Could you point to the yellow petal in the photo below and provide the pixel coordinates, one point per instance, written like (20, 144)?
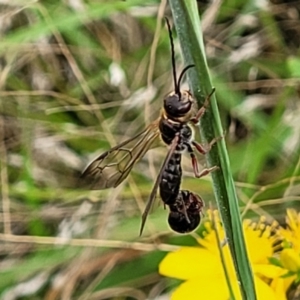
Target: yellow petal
(263, 290)
(215, 288)
(277, 285)
(267, 270)
(292, 233)
(211, 287)
(281, 285)
(257, 254)
(293, 219)
(190, 262)
(290, 259)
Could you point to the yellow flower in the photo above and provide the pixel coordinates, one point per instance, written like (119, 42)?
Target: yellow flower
(290, 254)
(290, 260)
(201, 267)
(291, 234)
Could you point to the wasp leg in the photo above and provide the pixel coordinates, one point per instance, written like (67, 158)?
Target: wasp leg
(195, 164)
(184, 209)
(206, 171)
(204, 149)
(202, 110)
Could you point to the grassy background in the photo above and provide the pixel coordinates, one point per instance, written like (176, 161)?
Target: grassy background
(78, 77)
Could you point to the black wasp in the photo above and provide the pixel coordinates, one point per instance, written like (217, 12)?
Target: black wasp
(172, 127)
(185, 207)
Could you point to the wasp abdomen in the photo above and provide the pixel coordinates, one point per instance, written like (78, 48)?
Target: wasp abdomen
(185, 212)
(171, 179)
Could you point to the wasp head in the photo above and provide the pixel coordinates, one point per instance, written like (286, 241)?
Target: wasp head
(178, 105)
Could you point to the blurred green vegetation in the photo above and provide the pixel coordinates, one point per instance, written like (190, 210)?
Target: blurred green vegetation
(78, 77)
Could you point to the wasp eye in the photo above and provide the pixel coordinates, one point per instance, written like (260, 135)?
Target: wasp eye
(176, 106)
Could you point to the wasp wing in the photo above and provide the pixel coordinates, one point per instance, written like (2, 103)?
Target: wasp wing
(113, 166)
(157, 182)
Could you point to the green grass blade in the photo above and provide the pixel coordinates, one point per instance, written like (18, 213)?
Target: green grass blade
(62, 20)
(187, 23)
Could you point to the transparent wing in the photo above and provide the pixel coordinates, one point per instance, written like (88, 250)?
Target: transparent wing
(157, 182)
(112, 167)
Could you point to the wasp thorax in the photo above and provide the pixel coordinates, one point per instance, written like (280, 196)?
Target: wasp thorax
(178, 105)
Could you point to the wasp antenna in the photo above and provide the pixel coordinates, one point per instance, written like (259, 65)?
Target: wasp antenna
(176, 86)
(182, 74)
